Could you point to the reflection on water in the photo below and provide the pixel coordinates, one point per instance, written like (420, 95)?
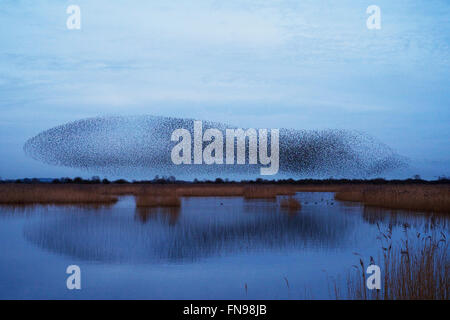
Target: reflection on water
(170, 214)
(200, 228)
(32, 208)
(254, 236)
(426, 222)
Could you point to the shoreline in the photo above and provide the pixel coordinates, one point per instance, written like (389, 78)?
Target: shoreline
(429, 197)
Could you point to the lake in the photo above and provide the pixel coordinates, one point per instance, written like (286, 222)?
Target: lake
(209, 248)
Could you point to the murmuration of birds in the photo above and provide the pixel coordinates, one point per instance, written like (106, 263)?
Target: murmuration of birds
(145, 146)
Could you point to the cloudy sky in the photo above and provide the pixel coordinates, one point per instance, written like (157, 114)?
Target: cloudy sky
(303, 64)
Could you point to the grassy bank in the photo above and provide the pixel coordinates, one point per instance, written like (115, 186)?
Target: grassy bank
(151, 196)
(430, 198)
(51, 194)
(434, 198)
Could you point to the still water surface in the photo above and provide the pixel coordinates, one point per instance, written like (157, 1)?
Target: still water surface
(210, 248)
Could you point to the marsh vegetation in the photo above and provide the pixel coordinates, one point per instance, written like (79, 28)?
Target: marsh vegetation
(417, 197)
(413, 268)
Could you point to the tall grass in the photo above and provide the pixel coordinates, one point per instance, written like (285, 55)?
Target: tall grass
(416, 268)
(52, 194)
(407, 197)
(150, 196)
(260, 192)
(435, 198)
(232, 190)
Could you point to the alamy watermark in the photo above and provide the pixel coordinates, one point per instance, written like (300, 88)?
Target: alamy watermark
(374, 279)
(233, 143)
(73, 22)
(74, 280)
(374, 20)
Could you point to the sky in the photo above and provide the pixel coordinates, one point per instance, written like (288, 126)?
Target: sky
(302, 64)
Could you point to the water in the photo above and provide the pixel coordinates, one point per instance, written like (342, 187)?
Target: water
(210, 248)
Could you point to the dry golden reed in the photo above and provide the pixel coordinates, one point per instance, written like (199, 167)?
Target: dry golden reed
(211, 190)
(417, 268)
(434, 198)
(157, 196)
(52, 194)
(260, 192)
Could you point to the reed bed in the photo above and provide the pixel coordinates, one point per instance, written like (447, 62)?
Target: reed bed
(232, 190)
(235, 190)
(163, 196)
(408, 197)
(285, 190)
(259, 192)
(324, 188)
(52, 194)
(434, 198)
(417, 268)
(118, 189)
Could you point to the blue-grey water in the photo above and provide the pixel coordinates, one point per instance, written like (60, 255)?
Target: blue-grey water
(210, 248)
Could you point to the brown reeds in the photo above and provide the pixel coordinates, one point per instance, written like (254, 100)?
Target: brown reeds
(435, 198)
(210, 190)
(119, 189)
(163, 196)
(417, 268)
(52, 194)
(260, 192)
(407, 197)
